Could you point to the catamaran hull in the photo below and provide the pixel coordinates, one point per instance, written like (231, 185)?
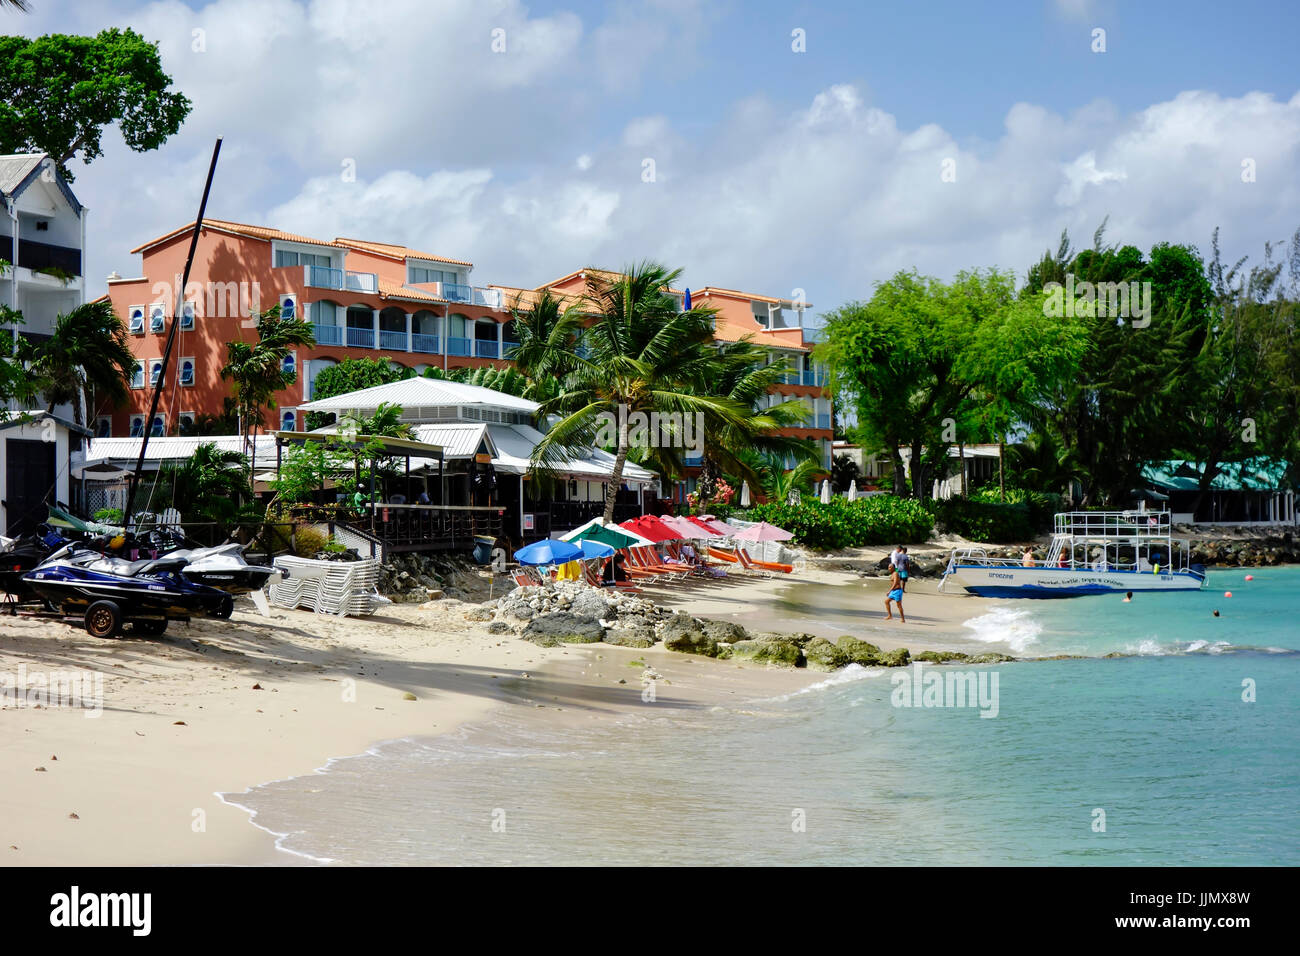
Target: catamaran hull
(1005, 582)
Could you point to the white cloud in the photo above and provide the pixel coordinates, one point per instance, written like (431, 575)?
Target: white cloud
(470, 153)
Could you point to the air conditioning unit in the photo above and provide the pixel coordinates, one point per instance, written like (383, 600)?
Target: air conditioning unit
(135, 319)
(289, 306)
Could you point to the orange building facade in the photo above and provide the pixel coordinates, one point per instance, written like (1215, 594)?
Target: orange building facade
(365, 299)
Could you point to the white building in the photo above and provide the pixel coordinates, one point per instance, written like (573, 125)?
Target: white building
(42, 239)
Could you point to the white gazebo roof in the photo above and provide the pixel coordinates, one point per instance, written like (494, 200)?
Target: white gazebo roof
(416, 394)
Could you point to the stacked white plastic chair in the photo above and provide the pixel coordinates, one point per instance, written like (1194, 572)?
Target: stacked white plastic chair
(328, 587)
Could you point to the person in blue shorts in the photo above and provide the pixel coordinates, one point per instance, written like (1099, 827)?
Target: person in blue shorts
(896, 587)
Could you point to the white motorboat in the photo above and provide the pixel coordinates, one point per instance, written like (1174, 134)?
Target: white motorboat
(1091, 552)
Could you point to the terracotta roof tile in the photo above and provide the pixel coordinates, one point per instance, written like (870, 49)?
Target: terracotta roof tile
(394, 251)
(239, 229)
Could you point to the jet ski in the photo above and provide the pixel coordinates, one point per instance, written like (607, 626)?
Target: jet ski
(20, 555)
(221, 567)
(109, 591)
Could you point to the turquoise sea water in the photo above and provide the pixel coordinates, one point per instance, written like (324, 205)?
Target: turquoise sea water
(1184, 770)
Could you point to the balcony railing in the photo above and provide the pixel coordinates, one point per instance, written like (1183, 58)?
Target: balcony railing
(41, 255)
(328, 334)
(361, 338)
(814, 377)
(459, 346)
(323, 277)
(394, 341)
(471, 295)
(424, 343)
(824, 420)
(485, 348)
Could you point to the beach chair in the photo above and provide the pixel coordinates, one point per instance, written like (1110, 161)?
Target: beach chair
(595, 577)
(652, 562)
(723, 555)
(765, 565)
(635, 569)
(522, 578)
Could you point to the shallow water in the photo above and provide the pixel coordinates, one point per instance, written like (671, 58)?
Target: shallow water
(1162, 744)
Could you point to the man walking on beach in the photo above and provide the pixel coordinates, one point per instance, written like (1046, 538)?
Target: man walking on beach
(896, 586)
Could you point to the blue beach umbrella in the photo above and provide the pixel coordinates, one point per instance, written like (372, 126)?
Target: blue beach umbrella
(548, 551)
(594, 549)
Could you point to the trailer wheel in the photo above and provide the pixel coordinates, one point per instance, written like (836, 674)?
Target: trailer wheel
(225, 608)
(103, 619)
(150, 626)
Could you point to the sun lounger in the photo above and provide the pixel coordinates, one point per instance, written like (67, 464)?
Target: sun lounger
(595, 577)
(652, 562)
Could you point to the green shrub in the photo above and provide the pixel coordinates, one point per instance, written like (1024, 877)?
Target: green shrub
(1042, 505)
(988, 521)
(878, 519)
(307, 541)
(111, 516)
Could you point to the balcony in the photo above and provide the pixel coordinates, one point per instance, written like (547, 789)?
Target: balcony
(485, 348)
(816, 377)
(424, 343)
(824, 420)
(393, 341)
(361, 338)
(341, 280)
(328, 334)
(461, 347)
(470, 295)
(41, 255)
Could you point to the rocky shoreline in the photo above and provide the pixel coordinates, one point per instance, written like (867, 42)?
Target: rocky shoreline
(576, 614)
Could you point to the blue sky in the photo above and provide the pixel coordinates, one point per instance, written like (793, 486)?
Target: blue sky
(774, 170)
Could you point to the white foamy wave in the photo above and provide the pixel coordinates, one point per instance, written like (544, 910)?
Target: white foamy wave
(1149, 647)
(846, 675)
(1014, 627)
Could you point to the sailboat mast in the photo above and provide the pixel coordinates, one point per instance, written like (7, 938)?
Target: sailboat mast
(171, 338)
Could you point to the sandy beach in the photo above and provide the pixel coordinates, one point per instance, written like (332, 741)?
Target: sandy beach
(215, 707)
(218, 707)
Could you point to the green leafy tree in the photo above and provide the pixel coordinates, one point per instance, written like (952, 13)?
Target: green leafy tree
(922, 360)
(88, 357)
(59, 92)
(1121, 408)
(508, 380)
(644, 356)
(351, 375)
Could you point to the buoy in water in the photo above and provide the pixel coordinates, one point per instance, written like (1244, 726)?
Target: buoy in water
(1250, 577)
(1227, 594)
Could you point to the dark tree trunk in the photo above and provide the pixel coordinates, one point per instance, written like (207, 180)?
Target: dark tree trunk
(616, 479)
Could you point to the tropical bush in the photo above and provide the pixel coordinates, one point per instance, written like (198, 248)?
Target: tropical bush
(878, 519)
(307, 541)
(1042, 505)
(111, 516)
(994, 522)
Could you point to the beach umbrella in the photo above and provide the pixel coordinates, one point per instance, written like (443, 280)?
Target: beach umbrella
(595, 549)
(763, 532)
(744, 494)
(826, 492)
(687, 528)
(648, 526)
(853, 490)
(611, 534)
(703, 528)
(548, 551)
(721, 527)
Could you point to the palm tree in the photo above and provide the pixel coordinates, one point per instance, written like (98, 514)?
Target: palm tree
(548, 334)
(211, 482)
(644, 356)
(257, 370)
(88, 356)
(744, 375)
(782, 483)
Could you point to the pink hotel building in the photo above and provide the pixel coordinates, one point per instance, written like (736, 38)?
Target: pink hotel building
(366, 300)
